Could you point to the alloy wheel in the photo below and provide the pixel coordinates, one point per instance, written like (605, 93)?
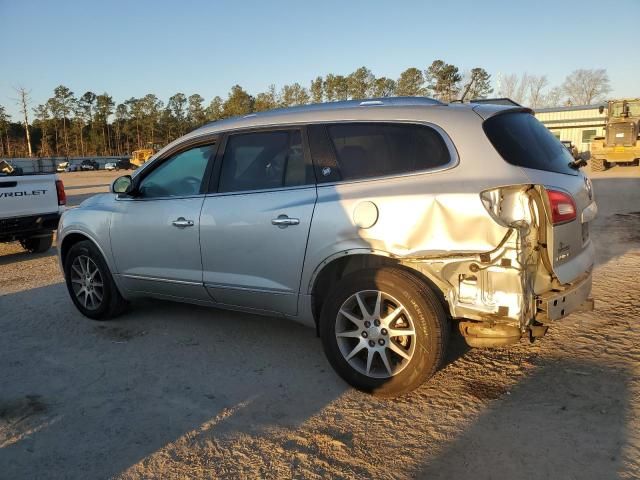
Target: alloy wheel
(87, 282)
(375, 334)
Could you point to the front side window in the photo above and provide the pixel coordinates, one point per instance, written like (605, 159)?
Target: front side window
(180, 175)
(263, 160)
(365, 150)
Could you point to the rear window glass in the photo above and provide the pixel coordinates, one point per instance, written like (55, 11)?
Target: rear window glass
(366, 150)
(523, 141)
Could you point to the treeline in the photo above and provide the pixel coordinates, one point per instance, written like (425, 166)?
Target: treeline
(93, 124)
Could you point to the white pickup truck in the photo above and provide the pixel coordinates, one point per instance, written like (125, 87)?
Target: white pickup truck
(30, 207)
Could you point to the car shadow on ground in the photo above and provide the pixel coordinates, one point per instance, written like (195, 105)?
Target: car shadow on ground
(537, 431)
(24, 256)
(108, 394)
(91, 399)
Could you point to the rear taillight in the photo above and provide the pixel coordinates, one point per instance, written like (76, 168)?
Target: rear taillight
(563, 208)
(62, 196)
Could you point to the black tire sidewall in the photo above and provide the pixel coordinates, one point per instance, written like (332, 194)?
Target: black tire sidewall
(427, 315)
(37, 244)
(89, 249)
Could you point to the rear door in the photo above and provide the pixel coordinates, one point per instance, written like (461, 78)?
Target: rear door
(254, 226)
(570, 207)
(26, 195)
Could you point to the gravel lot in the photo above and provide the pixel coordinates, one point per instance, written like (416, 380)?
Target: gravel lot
(176, 391)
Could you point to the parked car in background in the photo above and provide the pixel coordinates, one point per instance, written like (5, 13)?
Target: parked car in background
(88, 164)
(110, 166)
(379, 231)
(125, 164)
(30, 207)
(62, 167)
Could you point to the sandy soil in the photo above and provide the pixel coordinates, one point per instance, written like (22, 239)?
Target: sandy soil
(177, 391)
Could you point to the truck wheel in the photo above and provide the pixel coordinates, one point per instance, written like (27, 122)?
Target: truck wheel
(383, 331)
(597, 165)
(90, 283)
(37, 244)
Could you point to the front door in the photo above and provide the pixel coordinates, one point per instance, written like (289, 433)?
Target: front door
(155, 232)
(254, 229)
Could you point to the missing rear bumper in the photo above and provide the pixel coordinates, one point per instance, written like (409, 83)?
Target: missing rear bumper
(575, 297)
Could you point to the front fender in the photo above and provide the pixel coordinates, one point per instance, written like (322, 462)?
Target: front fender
(92, 221)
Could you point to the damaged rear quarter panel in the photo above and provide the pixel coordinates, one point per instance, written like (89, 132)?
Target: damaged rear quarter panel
(437, 224)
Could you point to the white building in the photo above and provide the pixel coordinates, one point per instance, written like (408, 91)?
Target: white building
(577, 124)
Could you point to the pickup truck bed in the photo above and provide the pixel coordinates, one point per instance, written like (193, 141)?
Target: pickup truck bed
(30, 207)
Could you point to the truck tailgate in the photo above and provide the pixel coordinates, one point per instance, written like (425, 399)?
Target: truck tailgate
(27, 195)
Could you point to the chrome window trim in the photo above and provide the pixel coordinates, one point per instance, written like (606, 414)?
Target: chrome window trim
(454, 159)
(264, 190)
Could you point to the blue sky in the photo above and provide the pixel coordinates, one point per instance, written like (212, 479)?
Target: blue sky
(131, 48)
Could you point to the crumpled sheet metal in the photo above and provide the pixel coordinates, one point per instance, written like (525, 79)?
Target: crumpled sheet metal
(434, 225)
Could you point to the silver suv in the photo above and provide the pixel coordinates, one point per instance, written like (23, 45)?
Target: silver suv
(379, 223)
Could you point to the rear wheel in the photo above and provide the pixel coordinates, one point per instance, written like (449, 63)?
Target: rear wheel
(384, 331)
(90, 283)
(37, 244)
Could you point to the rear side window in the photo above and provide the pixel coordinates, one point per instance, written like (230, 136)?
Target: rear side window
(523, 141)
(263, 160)
(365, 150)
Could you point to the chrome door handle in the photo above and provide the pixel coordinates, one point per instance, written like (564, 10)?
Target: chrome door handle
(283, 221)
(182, 223)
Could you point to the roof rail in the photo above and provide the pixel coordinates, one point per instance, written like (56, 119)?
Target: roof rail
(365, 102)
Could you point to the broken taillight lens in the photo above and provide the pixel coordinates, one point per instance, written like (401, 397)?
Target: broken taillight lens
(563, 208)
(62, 196)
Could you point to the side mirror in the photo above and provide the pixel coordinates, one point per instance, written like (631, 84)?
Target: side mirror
(122, 184)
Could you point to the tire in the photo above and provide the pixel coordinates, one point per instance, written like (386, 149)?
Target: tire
(599, 165)
(103, 301)
(422, 310)
(37, 244)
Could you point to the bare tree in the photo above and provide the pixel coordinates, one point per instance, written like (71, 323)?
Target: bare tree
(553, 98)
(23, 103)
(514, 87)
(586, 86)
(537, 84)
(4, 127)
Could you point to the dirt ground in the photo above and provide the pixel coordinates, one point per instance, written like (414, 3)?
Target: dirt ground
(178, 391)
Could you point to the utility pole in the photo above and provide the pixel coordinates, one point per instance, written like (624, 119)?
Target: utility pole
(23, 103)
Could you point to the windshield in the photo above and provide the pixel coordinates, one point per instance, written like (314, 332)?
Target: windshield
(617, 109)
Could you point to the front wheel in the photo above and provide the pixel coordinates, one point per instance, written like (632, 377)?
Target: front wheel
(384, 331)
(90, 283)
(37, 244)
